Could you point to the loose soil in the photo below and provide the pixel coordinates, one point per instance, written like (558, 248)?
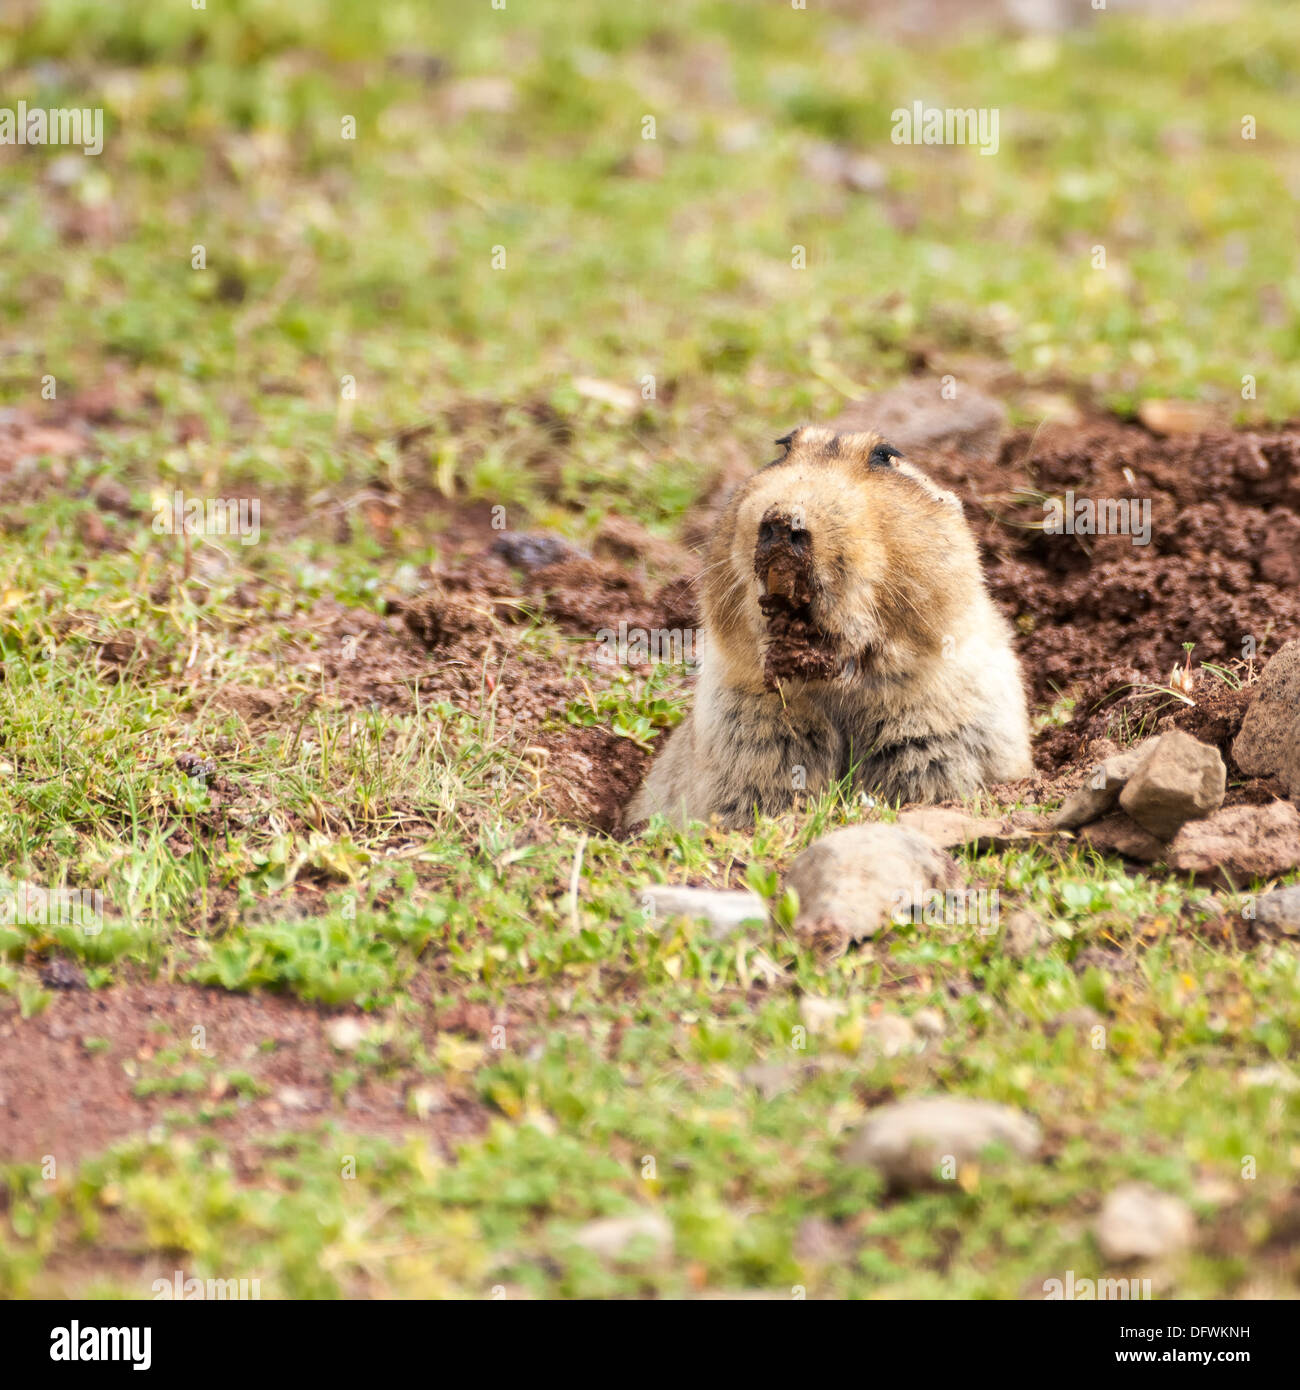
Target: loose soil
(60, 1097)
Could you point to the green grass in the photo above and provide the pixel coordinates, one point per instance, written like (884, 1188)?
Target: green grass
(381, 859)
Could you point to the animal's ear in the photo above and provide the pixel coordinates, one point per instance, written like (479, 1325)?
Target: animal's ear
(787, 442)
(883, 456)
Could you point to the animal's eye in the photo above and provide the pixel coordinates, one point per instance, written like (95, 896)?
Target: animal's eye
(883, 455)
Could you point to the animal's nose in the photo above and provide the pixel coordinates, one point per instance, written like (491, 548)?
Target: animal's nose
(779, 529)
(783, 552)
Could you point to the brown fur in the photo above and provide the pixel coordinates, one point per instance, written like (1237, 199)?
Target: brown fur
(917, 692)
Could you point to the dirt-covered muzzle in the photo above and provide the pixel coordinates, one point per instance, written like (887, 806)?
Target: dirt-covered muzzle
(797, 647)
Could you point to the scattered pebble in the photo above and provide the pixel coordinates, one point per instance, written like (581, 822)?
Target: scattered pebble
(611, 1236)
(910, 1140)
(1139, 1222)
(725, 910)
(1178, 779)
(852, 882)
(930, 1023)
(1100, 793)
(1239, 843)
(1266, 731)
(346, 1033)
(1279, 910)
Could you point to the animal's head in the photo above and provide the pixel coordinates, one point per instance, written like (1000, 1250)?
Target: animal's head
(844, 543)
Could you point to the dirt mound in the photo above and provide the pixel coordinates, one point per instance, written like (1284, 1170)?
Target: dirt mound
(1201, 546)
(591, 774)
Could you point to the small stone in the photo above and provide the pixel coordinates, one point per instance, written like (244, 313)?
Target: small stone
(725, 910)
(1217, 1192)
(821, 1015)
(817, 1241)
(1272, 1076)
(1139, 1222)
(1100, 792)
(770, 1078)
(63, 974)
(1179, 779)
(611, 393)
(1024, 933)
(911, 1141)
(853, 882)
(612, 1236)
(1279, 910)
(111, 496)
(495, 96)
(423, 1101)
(295, 1098)
(929, 1023)
(533, 550)
(1289, 766)
(1239, 843)
(1178, 417)
(1267, 732)
(346, 1034)
(201, 769)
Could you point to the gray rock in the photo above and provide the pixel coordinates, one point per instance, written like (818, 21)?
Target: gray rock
(1239, 843)
(852, 882)
(820, 1015)
(725, 910)
(1100, 793)
(930, 1023)
(915, 417)
(1289, 768)
(910, 1141)
(1268, 731)
(612, 1236)
(531, 550)
(1271, 1077)
(1279, 910)
(1023, 933)
(889, 1035)
(1139, 1222)
(771, 1078)
(346, 1033)
(1178, 779)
